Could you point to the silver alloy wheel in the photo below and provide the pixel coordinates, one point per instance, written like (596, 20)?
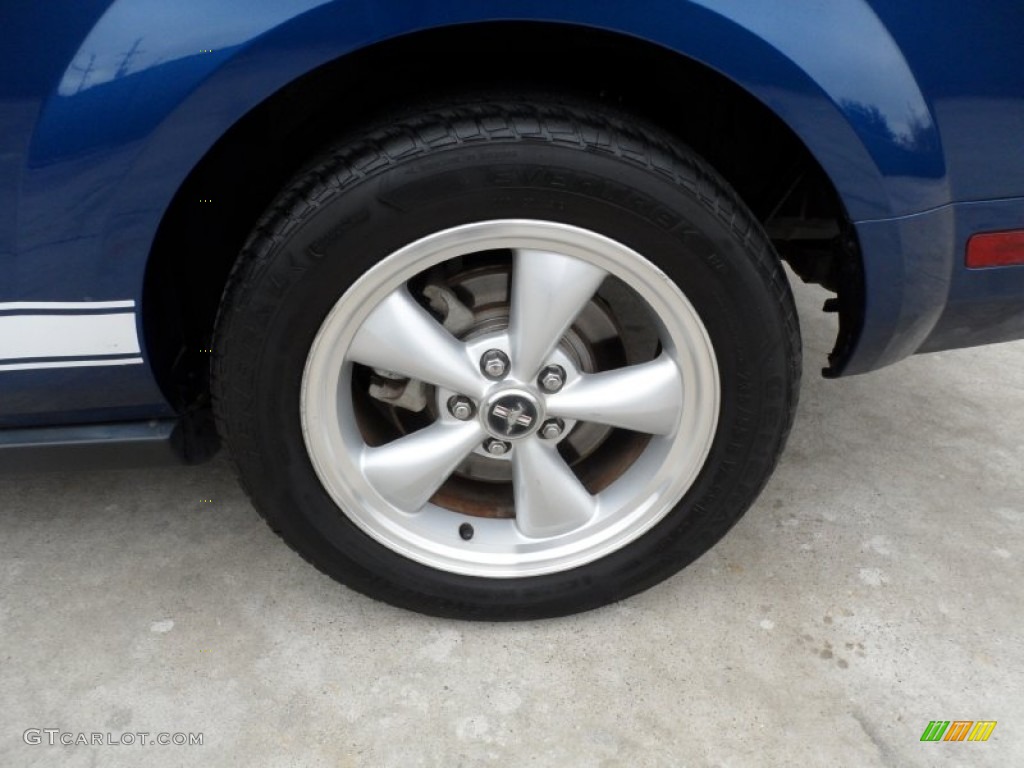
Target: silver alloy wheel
(387, 489)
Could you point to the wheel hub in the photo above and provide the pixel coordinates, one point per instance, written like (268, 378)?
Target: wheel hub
(512, 414)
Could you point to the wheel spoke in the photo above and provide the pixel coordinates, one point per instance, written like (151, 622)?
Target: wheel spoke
(408, 471)
(646, 398)
(549, 499)
(401, 336)
(548, 291)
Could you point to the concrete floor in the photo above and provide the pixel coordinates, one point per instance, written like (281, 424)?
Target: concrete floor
(875, 586)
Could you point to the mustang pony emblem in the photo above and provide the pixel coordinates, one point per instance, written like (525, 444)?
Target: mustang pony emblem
(514, 416)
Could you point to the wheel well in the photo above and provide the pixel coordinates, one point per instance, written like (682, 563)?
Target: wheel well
(769, 167)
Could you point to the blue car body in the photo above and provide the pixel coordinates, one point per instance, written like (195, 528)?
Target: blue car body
(107, 109)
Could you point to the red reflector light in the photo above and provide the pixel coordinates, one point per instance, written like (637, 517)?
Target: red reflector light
(996, 249)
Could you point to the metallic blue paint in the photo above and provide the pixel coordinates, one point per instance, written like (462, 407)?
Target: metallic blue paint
(926, 299)
(105, 107)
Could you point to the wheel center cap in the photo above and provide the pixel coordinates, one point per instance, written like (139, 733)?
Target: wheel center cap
(512, 414)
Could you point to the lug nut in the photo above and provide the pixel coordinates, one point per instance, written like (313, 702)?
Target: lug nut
(552, 378)
(494, 364)
(460, 407)
(552, 428)
(496, 447)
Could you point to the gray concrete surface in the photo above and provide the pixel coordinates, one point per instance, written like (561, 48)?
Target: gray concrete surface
(876, 585)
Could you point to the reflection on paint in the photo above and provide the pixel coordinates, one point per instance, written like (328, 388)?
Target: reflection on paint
(113, 49)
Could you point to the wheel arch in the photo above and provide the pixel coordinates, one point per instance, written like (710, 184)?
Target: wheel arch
(226, 190)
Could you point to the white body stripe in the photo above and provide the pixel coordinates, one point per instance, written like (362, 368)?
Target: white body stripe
(22, 305)
(84, 339)
(70, 364)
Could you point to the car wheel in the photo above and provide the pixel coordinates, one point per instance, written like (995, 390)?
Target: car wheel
(505, 358)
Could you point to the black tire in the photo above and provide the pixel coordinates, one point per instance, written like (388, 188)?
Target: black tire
(477, 159)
